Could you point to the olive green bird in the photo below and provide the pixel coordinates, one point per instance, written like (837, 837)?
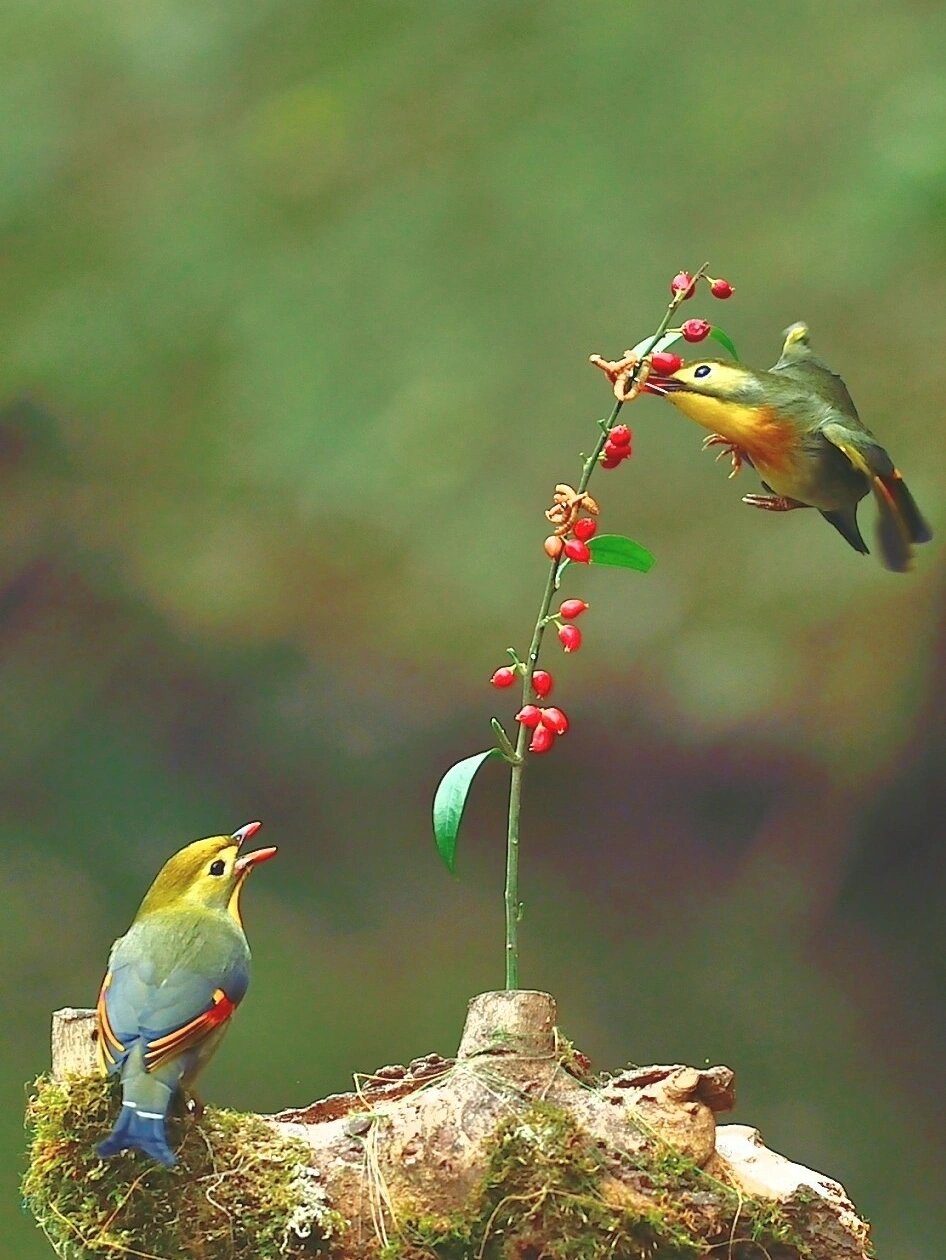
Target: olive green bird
(798, 428)
(173, 982)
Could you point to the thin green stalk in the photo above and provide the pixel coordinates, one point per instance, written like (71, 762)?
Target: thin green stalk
(513, 908)
(513, 905)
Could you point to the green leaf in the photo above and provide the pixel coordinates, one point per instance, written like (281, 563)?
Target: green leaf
(449, 801)
(724, 339)
(623, 553)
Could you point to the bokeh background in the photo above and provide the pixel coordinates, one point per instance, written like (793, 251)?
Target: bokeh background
(296, 300)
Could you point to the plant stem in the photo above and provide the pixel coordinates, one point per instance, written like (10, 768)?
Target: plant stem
(513, 905)
(513, 908)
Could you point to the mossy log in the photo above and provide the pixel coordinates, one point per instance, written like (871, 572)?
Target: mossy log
(511, 1150)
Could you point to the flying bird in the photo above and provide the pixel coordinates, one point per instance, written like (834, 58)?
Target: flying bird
(798, 428)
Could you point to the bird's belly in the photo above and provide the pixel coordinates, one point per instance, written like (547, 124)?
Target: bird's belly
(770, 441)
(796, 483)
(819, 475)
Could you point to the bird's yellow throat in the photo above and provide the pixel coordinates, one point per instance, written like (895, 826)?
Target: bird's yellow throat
(759, 431)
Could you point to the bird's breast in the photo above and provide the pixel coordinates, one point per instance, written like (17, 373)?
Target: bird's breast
(770, 440)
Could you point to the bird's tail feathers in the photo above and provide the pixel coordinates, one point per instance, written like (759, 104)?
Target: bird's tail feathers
(139, 1130)
(914, 522)
(900, 522)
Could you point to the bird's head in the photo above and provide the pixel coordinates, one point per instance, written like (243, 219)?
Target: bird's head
(710, 378)
(207, 873)
(723, 397)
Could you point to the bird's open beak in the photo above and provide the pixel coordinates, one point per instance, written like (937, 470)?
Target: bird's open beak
(661, 385)
(246, 863)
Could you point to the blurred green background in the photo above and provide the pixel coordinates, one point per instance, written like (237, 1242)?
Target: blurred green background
(296, 301)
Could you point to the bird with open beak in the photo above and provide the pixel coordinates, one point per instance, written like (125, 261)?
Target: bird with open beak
(798, 428)
(173, 982)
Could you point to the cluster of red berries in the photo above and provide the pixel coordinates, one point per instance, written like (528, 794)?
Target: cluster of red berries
(684, 286)
(546, 724)
(617, 448)
(574, 547)
(684, 283)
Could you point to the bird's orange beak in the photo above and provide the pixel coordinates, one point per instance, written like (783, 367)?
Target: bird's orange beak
(245, 864)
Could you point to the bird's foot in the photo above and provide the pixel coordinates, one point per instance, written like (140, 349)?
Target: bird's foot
(735, 452)
(772, 502)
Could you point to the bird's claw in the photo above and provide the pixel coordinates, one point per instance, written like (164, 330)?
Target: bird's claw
(736, 454)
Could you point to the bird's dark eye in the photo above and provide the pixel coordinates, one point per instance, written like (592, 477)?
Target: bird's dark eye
(218, 867)
(703, 370)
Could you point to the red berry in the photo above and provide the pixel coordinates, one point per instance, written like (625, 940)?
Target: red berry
(529, 715)
(555, 720)
(541, 682)
(722, 289)
(665, 364)
(616, 452)
(577, 550)
(553, 546)
(696, 329)
(610, 461)
(542, 739)
(570, 637)
(584, 529)
(504, 677)
(620, 435)
(682, 282)
(572, 608)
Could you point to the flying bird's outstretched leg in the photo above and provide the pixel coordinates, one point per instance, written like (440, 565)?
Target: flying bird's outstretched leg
(738, 455)
(773, 502)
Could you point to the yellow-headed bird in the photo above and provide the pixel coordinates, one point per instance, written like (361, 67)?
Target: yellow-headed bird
(797, 426)
(173, 981)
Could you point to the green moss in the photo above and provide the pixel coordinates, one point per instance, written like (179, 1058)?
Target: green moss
(243, 1192)
(552, 1193)
(240, 1189)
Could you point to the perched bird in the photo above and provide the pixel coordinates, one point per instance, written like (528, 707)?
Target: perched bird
(797, 426)
(173, 981)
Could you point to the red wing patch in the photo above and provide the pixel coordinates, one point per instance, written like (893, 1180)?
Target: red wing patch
(160, 1049)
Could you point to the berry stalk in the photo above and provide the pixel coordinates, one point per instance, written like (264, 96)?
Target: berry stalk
(513, 905)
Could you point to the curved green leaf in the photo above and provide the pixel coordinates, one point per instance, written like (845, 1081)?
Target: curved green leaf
(623, 553)
(724, 339)
(449, 800)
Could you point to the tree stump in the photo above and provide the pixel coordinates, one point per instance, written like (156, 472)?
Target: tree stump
(510, 1150)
